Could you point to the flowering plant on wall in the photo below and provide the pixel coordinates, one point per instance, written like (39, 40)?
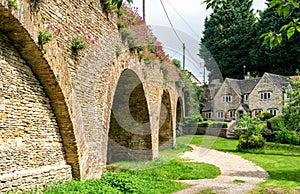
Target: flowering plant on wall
(83, 41)
(48, 33)
(139, 36)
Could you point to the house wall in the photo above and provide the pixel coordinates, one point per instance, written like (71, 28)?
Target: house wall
(255, 101)
(219, 105)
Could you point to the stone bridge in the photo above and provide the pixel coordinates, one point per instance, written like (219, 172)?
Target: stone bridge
(66, 115)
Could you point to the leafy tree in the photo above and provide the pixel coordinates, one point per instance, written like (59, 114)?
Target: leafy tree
(228, 37)
(292, 109)
(286, 9)
(283, 59)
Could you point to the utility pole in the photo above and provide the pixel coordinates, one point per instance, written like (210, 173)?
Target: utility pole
(183, 56)
(144, 11)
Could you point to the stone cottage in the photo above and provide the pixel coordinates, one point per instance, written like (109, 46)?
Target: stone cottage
(250, 95)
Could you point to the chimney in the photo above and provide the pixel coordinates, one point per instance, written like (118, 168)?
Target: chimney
(248, 76)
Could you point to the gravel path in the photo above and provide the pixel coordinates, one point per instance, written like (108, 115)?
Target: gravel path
(232, 168)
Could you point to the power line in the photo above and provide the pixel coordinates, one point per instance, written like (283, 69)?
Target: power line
(171, 22)
(197, 35)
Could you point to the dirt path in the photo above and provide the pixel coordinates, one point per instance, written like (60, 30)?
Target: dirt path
(232, 168)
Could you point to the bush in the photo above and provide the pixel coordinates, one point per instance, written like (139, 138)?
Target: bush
(188, 122)
(247, 126)
(204, 123)
(250, 142)
(218, 125)
(274, 123)
(214, 124)
(265, 116)
(287, 137)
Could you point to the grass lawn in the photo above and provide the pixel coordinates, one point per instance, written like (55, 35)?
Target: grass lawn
(143, 177)
(281, 161)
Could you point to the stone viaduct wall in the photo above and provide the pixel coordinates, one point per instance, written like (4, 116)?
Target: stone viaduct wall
(66, 114)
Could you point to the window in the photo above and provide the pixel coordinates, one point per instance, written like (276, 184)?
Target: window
(273, 111)
(257, 112)
(231, 114)
(227, 98)
(208, 115)
(220, 114)
(265, 95)
(246, 97)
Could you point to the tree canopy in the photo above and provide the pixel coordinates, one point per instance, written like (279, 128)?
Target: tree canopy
(284, 59)
(228, 35)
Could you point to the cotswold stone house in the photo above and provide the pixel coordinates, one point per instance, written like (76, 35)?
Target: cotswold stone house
(255, 96)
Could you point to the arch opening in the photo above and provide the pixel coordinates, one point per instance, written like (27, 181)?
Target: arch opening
(179, 109)
(129, 131)
(165, 136)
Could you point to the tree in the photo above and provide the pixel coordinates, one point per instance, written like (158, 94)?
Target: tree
(284, 8)
(283, 59)
(228, 37)
(292, 109)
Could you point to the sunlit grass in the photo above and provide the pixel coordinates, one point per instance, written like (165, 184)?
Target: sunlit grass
(148, 177)
(281, 161)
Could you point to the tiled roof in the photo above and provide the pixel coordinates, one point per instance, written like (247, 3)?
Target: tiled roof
(243, 86)
(280, 81)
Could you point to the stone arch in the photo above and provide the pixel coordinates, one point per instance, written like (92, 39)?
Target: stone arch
(165, 136)
(129, 136)
(179, 110)
(33, 56)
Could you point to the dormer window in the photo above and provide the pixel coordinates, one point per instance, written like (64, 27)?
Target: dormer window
(227, 98)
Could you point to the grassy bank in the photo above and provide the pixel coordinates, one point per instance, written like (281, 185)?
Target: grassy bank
(155, 176)
(281, 161)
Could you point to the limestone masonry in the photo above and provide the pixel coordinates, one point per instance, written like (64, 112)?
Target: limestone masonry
(63, 114)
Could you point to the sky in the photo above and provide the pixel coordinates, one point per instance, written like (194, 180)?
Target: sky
(187, 17)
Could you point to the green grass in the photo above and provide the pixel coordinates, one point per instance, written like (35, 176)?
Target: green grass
(207, 191)
(155, 176)
(182, 170)
(281, 161)
(123, 182)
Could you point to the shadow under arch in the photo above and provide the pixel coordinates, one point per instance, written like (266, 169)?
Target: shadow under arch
(179, 110)
(165, 137)
(30, 52)
(129, 137)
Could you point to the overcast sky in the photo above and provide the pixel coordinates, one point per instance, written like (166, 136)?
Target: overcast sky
(187, 18)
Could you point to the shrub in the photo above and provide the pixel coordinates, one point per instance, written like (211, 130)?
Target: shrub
(204, 123)
(218, 125)
(250, 142)
(188, 122)
(265, 116)
(274, 123)
(249, 134)
(287, 137)
(247, 126)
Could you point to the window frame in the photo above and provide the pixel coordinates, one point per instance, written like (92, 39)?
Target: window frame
(265, 95)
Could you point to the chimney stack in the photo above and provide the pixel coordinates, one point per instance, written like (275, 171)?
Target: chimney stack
(248, 76)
